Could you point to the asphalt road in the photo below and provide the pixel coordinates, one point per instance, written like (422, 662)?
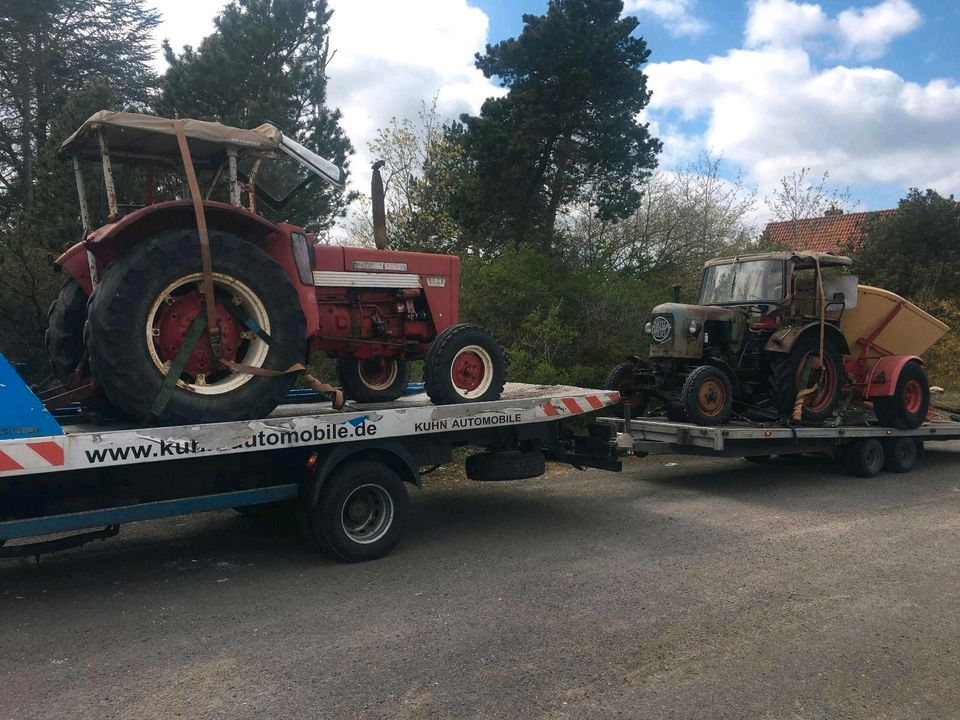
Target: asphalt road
(681, 588)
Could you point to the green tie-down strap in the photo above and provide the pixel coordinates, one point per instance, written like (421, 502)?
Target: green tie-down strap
(179, 362)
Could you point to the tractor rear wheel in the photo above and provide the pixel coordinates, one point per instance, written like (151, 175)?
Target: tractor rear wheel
(64, 335)
(465, 363)
(373, 380)
(907, 407)
(803, 360)
(707, 396)
(620, 380)
(141, 313)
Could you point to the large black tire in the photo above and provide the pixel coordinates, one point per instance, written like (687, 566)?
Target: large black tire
(907, 407)
(785, 375)
(118, 316)
(64, 335)
(373, 381)
(506, 465)
(707, 396)
(465, 364)
(620, 380)
(865, 457)
(361, 512)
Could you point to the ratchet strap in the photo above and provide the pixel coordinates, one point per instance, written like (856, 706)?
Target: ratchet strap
(209, 302)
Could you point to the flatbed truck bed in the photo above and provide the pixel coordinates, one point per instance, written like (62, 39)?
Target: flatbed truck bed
(343, 472)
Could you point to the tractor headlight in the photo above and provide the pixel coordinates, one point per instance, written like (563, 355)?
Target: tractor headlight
(302, 252)
(694, 327)
(648, 328)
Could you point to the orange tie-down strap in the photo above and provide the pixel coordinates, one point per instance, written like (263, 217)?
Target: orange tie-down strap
(336, 395)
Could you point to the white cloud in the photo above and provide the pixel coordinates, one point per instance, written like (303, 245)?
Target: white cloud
(184, 22)
(391, 55)
(677, 15)
(862, 33)
(771, 111)
(867, 31)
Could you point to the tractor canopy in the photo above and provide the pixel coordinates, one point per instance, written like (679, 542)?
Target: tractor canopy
(147, 139)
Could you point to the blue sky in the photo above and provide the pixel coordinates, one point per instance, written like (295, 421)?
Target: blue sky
(866, 90)
(922, 50)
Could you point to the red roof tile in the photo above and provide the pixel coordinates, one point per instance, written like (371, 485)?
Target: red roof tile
(823, 234)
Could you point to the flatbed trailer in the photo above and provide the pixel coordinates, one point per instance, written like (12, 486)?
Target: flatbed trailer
(342, 473)
(866, 448)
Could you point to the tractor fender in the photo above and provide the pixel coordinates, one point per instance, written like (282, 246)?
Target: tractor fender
(784, 339)
(390, 453)
(109, 242)
(883, 376)
(728, 370)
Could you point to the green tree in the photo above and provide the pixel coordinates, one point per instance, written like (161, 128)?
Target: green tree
(914, 252)
(266, 61)
(566, 131)
(52, 48)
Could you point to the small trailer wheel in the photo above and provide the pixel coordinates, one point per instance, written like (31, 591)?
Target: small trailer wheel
(902, 454)
(361, 512)
(864, 458)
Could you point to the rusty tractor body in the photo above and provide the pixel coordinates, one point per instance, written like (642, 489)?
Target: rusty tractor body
(767, 340)
(135, 318)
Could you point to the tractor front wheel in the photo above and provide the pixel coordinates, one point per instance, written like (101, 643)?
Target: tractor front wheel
(64, 335)
(464, 364)
(707, 396)
(373, 380)
(141, 320)
(620, 380)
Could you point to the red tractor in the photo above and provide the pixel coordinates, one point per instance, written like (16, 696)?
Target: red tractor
(135, 318)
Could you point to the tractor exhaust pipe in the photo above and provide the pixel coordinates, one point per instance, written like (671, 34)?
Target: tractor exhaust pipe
(379, 210)
(676, 293)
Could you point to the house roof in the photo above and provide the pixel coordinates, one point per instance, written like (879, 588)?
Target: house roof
(822, 234)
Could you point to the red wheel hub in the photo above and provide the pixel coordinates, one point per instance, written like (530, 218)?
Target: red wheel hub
(468, 371)
(173, 323)
(912, 397)
(376, 371)
(827, 386)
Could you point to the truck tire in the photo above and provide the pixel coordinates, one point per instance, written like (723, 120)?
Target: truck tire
(144, 306)
(620, 380)
(707, 396)
(63, 337)
(785, 376)
(373, 380)
(506, 465)
(907, 407)
(864, 458)
(360, 513)
(465, 364)
(901, 454)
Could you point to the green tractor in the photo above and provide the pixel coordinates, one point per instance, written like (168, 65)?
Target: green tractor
(764, 337)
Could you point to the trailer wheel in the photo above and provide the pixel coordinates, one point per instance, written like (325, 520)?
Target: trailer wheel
(907, 407)
(620, 380)
(64, 335)
(465, 363)
(864, 458)
(373, 380)
(361, 512)
(901, 454)
(707, 396)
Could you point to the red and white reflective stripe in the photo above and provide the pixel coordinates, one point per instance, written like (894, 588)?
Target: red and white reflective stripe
(577, 405)
(40, 454)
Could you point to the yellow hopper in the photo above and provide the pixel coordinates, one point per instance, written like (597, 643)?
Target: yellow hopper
(887, 324)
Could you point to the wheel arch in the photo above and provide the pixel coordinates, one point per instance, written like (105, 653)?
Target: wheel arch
(784, 340)
(111, 241)
(885, 373)
(390, 453)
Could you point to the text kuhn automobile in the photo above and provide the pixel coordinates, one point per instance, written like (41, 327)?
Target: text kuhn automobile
(148, 337)
(777, 337)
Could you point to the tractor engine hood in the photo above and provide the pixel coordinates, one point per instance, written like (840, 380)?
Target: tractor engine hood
(676, 330)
